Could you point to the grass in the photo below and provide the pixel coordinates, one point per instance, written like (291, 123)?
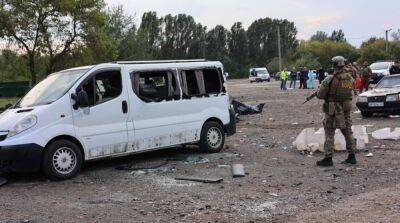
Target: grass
(5, 101)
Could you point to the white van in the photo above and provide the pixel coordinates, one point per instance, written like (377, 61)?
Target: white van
(115, 109)
(259, 75)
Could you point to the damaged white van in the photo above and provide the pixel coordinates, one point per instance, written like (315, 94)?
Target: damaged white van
(115, 109)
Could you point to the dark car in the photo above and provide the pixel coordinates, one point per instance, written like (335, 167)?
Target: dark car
(384, 98)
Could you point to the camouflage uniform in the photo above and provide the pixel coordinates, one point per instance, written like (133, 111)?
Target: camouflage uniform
(337, 109)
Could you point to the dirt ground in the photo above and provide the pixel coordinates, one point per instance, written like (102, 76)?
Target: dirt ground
(281, 185)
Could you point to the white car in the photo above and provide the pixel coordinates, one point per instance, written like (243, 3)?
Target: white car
(380, 70)
(259, 75)
(115, 109)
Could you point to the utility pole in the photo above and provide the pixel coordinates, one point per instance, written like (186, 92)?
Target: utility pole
(279, 49)
(387, 39)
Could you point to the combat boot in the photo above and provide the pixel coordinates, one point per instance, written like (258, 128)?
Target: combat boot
(351, 159)
(327, 161)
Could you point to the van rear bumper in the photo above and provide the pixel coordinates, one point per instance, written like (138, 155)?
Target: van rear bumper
(20, 158)
(230, 128)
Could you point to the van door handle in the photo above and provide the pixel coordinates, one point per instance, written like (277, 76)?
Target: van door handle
(124, 107)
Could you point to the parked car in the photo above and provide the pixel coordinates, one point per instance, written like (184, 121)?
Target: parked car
(259, 75)
(384, 98)
(379, 70)
(115, 109)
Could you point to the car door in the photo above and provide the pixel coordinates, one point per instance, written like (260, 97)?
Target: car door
(156, 118)
(102, 127)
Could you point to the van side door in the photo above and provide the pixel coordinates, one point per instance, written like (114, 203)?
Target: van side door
(102, 127)
(157, 110)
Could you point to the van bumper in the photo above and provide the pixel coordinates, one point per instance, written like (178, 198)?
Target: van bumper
(20, 158)
(230, 128)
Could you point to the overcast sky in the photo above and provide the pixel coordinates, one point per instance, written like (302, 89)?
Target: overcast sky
(359, 19)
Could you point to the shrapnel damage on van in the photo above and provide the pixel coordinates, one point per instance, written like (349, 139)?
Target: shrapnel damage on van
(115, 109)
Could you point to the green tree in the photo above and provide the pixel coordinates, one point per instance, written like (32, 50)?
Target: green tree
(238, 47)
(319, 36)
(149, 34)
(217, 44)
(373, 50)
(52, 28)
(338, 36)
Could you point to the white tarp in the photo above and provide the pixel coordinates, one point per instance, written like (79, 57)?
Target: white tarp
(387, 133)
(311, 140)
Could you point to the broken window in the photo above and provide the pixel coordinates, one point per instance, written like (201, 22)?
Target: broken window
(103, 87)
(155, 86)
(201, 82)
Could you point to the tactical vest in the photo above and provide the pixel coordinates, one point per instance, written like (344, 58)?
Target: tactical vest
(344, 90)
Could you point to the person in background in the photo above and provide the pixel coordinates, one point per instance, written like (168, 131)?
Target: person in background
(305, 77)
(366, 77)
(284, 76)
(293, 78)
(321, 74)
(301, 78)
(395, 68)
(311, 78)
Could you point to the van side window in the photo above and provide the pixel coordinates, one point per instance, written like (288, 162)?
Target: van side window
(155, 86)
(103, 87)
(201, 82)
(212, 81)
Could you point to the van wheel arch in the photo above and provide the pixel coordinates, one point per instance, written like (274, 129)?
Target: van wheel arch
(69, 138)
(213, 119)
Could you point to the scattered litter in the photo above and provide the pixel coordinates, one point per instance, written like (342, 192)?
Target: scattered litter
(205, 158)
(369, 155)
(200, 179)
(161, 170)
(311, 140)
(130, 167)
(295, 123)
(3, 181)
(238, 170)
(386, 134)
(274, 194)
(357, 112)
(224, 166)
(244, 109)
(261, 146)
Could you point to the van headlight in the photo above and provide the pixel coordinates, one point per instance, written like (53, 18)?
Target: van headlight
(362, 99)
(25, 124)
(392, 98)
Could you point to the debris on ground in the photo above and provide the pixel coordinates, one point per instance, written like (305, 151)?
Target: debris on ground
(3, 181)
(312, 141)
(386, 134)
(369, 155)
(238, 170)
(205, 158)
(160, 170)
(201, 179)
(141, 167)
(244, 109)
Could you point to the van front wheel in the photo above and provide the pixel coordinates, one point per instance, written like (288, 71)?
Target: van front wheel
(62, 160)
(212, 137)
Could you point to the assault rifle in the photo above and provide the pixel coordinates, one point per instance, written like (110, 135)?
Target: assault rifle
(309, 98)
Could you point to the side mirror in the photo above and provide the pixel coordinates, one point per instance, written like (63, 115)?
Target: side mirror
(81, 99)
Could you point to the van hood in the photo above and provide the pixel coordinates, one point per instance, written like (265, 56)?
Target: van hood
(381, 92)
(10, 117)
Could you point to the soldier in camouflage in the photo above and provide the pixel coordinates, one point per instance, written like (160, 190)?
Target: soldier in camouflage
(337, 92)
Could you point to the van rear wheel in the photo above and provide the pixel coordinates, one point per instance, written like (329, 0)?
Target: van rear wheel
(62, 160)
(212, 137)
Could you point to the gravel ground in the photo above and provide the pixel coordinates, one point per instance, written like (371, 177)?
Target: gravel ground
(281, 185)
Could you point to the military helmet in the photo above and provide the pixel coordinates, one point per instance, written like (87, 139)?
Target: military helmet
(339, 61)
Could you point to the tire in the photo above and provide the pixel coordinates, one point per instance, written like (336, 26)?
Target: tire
(62, 160)
(212, 138)
(366, 114)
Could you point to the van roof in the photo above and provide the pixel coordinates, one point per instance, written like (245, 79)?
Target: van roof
(155, 64)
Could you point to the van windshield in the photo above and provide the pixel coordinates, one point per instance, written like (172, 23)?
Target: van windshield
(262, 72)
(51, 89)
